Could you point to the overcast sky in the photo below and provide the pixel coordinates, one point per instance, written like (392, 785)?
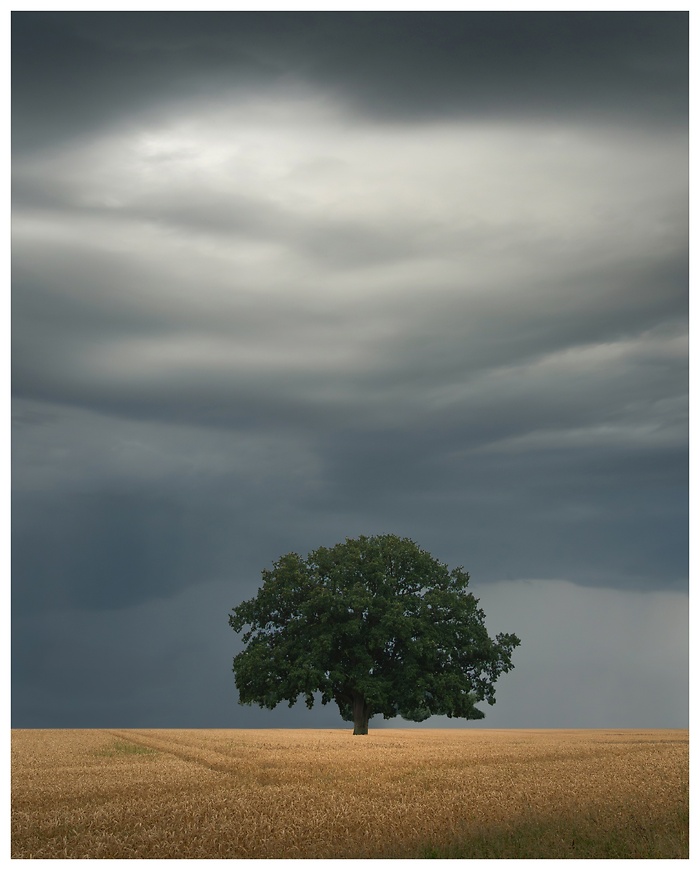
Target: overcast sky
(283, 279)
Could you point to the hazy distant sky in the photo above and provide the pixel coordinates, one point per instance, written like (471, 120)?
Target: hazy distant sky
(283, 279)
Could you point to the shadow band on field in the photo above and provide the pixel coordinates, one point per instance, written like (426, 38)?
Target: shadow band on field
(561, 838)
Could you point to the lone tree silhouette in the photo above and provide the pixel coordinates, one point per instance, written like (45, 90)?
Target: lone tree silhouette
(375, 624)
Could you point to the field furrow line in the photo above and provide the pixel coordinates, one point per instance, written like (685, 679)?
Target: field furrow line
(185, 750)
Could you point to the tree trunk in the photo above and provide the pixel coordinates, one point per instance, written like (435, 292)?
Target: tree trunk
(360, 714)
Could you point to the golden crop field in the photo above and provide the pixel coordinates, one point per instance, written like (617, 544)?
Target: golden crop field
(327, 794)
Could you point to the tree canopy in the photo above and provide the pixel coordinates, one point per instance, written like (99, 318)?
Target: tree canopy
(375, 624)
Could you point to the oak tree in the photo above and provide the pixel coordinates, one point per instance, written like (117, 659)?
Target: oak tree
(375, 624)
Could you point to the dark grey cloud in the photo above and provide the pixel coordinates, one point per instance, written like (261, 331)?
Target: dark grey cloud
(279, 279)
(392, 66)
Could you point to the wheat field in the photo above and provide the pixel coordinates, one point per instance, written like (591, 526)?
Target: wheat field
(395, 793)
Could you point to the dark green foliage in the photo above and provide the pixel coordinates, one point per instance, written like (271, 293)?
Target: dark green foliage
(375, 624)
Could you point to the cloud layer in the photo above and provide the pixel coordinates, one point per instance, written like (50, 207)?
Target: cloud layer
(266, 297)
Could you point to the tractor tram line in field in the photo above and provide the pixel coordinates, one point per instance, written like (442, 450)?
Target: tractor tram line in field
(185, 749)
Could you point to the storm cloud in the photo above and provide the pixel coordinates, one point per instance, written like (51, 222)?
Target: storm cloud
(279, 279)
